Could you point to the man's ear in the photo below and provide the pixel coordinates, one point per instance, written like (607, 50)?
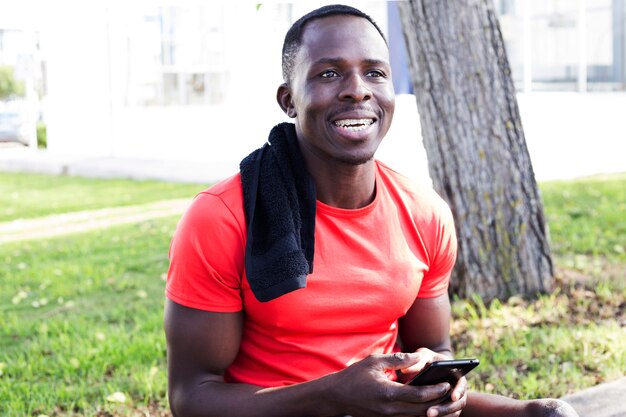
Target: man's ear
(283, 96)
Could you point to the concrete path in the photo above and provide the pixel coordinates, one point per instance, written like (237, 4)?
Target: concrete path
(604, 400)
(22, 159)
(83, 221)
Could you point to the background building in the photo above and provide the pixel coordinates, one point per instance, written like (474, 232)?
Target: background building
(196, 81)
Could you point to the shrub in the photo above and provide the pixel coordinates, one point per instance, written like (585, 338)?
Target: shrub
(9, 86)
(42, 141)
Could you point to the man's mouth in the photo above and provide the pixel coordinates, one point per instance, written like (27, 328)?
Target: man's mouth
(354, 125)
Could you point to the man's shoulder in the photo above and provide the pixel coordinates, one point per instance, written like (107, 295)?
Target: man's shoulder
(407, 188)
(229, 187)
(224, 198)
(228, 190)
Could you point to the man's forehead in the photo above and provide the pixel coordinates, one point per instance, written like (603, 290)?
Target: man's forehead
(334, 32)
(335, 24)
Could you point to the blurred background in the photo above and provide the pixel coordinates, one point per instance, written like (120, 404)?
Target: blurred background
(193, 82)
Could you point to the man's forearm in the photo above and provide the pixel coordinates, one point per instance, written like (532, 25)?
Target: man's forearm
(479, 405)
(213, 398)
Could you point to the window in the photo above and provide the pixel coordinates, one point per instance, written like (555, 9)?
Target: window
(176, 56)
(606, 45)
(555, 45)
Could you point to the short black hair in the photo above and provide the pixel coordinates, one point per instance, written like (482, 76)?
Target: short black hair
(293, 38)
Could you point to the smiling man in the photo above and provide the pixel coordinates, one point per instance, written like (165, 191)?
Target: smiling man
(341, 97)
(314, 282)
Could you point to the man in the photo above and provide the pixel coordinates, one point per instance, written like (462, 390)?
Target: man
(326, 312)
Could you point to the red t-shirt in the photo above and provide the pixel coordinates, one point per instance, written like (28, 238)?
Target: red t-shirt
(370, 264)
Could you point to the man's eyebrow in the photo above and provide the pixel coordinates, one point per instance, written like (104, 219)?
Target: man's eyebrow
(376, 62)
(338, 61)
(332, 61)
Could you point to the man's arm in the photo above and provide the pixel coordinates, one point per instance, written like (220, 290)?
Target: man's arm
(427, 325)
(480, 404)
(201, 346)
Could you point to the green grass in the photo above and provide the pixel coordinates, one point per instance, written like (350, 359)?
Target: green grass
(551, 346)
(82, 315)
(588, 216)
(33, 195)
(82, 319)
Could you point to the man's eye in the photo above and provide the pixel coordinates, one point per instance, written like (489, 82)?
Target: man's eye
(329, 74)
(376, 73)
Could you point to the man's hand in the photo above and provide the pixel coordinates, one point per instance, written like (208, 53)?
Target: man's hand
(425, 356)
(458, 397)
(364, 388)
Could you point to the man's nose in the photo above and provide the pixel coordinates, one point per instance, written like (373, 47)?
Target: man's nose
(355, 88)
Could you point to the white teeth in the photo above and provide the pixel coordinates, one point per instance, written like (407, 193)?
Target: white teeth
(354, 124)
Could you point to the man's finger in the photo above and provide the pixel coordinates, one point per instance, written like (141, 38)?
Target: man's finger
(398, 360)
(448, 408)
(417, 367)
(425, 356)
(427, 394)
(459, 389)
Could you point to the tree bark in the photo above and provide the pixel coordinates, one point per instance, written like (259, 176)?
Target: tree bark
(477, 154)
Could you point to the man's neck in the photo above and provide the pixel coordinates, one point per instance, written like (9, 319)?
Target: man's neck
(344, 185)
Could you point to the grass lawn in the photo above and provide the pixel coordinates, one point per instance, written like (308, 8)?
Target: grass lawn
(33, 195)
(587, 217)
(81, 315)
(82, 321)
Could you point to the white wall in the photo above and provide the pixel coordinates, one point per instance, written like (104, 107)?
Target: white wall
(88, 111)
(78, 108)
(568, 135)
(575, 134)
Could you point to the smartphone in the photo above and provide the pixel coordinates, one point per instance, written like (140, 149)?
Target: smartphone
(444, 371)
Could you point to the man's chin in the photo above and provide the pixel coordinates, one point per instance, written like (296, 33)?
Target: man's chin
(355, 160)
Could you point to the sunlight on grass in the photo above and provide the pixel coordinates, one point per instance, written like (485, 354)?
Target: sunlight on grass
(586, 217)
(550, 346)
(99, 331)
(32, 195)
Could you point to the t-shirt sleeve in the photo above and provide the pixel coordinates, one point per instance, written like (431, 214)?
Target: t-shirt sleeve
(442, 248)
(206, 257)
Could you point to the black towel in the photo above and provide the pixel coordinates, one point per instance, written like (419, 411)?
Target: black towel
(279, 202)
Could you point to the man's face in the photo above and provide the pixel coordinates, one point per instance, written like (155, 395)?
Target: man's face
(341, 91)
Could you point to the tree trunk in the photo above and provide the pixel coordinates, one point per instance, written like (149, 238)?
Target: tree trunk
(476, 150)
